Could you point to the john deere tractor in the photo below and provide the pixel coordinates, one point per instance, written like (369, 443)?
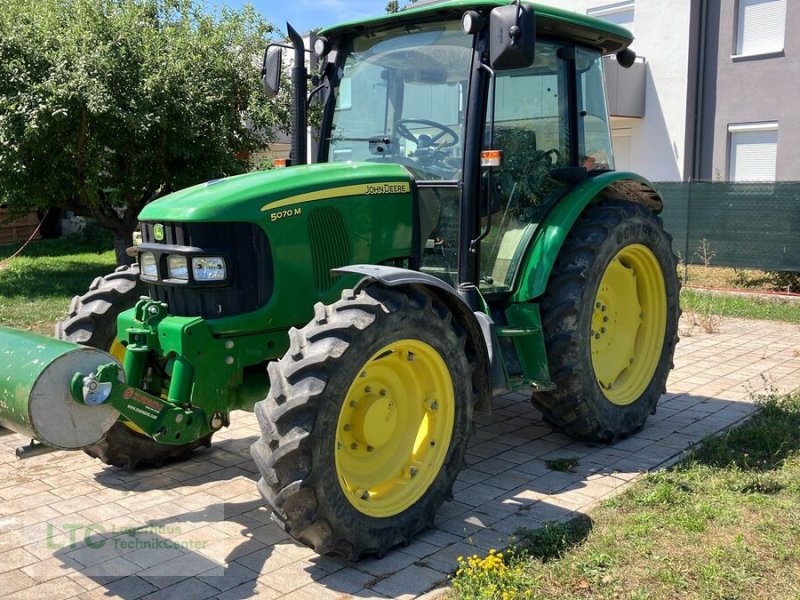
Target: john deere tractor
(462, 234)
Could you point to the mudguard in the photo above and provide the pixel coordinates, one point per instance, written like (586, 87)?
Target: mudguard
(546, 243)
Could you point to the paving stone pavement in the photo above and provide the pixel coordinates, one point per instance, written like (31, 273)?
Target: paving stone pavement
(71, 527)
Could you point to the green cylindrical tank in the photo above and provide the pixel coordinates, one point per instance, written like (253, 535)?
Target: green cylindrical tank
(35, 399)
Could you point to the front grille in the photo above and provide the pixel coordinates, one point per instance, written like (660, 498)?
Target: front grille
(246, 249)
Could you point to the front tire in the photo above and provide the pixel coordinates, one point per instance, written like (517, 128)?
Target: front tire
(610, 321)
(92, 321)
(366, 423)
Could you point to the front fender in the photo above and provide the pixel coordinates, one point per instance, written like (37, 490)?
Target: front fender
(544, 247)
(475, 324)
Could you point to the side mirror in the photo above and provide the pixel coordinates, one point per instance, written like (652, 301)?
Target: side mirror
(271, 70)
(512, 36)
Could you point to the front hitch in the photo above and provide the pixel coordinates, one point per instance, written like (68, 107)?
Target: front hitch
(165, 422)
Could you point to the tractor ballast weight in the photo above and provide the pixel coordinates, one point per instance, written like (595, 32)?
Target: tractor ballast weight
(465, 234)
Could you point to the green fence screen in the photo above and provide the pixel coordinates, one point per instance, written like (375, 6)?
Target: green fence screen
(744, 225)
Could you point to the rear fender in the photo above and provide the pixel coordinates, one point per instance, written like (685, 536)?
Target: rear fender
(474, 323)
(544, 247)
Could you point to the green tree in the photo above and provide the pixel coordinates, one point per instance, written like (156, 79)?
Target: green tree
(106, 105)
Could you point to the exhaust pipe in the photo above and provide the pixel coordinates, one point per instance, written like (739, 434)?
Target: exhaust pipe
(300, 87)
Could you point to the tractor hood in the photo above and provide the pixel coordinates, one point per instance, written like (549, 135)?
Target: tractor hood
(246, 197)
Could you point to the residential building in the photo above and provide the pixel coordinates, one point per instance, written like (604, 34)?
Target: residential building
(744, 85)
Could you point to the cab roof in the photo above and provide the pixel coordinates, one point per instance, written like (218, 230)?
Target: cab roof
(550, 21)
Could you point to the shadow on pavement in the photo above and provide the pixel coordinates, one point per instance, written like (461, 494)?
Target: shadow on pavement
(508, 487)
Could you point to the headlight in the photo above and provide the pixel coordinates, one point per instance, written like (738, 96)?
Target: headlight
(208, 268)
(147, 265)
(177, 267)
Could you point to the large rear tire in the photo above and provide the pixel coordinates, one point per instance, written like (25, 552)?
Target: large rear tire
(366, 423)
(92, 321)
(610, 320)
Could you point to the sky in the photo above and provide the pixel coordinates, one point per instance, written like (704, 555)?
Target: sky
(309, 14)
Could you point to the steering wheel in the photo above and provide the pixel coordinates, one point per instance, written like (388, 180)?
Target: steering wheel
(553, 156)
(424, 140)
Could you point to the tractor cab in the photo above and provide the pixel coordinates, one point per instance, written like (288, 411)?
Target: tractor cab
(495, 111)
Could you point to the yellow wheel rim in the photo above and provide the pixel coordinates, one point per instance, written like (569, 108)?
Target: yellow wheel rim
(117, 350)
(629, 320)
(394, 428)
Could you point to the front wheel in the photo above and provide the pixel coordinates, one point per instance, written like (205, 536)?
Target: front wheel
(366, 423)
(610, 320)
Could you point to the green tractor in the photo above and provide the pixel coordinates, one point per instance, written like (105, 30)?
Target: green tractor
(463, 234)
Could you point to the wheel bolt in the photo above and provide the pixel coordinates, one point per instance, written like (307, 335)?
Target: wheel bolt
(383, 392)
(411, 357)
(353, 404)
(347, 427)
(605, 318)
(354, 446)
(434, 405)
(365, 496)
(597, 336)
(368, 390)
(602, 330)
(338, 445)
(412, 471)
(370, 448)
(363, 374)
(597, 305)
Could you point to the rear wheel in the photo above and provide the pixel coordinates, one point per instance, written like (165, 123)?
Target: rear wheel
(366, 423)
(92, 321)
(610, 319)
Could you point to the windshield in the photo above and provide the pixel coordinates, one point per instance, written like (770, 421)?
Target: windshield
(401, 99)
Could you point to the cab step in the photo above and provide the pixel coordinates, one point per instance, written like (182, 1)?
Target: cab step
(506, 331)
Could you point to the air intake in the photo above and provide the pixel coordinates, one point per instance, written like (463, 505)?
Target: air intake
(330, 247)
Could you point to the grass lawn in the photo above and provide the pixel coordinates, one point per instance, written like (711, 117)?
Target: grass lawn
(705, 304)
(723, 523)
(743, 279)
(37, 286)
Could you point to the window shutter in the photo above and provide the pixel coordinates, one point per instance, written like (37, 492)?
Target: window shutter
(761, 26)
(753, 155)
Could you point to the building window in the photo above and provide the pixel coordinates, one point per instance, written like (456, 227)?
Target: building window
(760, 27)
(619, 13)
(753, 151)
